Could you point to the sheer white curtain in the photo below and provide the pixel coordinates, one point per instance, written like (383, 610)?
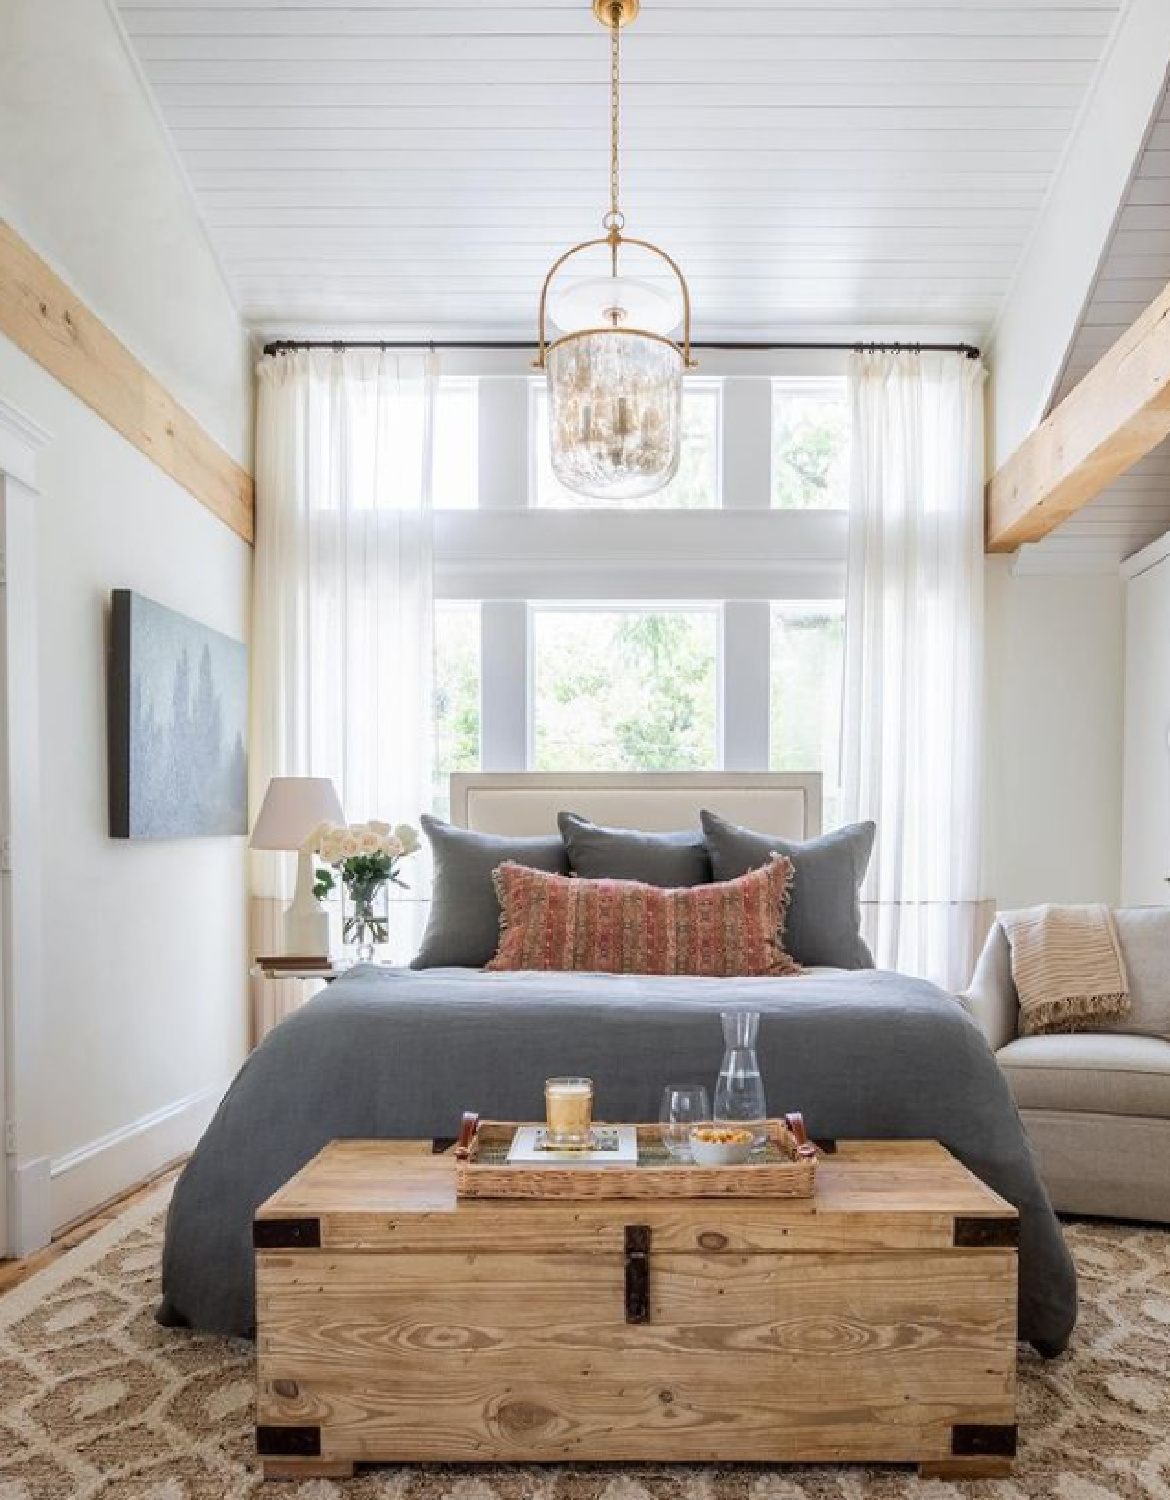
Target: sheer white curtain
(913, 722)
(342, 620)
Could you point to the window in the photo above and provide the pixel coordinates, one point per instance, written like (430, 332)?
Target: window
(387, 441)
(807, 663)
(694, 487)
(624, 689)
(652, 638)
(455, 481)
(810, 445)
(457, 693)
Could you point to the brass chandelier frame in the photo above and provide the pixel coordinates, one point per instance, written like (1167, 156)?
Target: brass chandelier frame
(614, 14)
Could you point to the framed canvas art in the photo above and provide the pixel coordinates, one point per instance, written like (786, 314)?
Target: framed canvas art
(178, 725)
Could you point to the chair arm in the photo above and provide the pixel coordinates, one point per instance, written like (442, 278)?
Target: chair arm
(991, 996)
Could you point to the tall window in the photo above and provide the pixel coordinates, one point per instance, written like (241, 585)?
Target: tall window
(700, 629)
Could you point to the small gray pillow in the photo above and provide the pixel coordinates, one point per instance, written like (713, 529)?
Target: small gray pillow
(463, 930)
(665, 859)
(824, 914)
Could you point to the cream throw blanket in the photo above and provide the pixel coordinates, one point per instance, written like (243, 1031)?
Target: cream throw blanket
(1067, 966)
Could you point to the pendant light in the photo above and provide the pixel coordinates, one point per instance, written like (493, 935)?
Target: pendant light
(615, 375)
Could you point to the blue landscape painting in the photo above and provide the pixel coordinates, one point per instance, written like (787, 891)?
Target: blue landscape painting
(178, 709)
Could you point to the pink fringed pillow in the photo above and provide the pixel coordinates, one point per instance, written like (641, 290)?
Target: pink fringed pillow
(731, 927)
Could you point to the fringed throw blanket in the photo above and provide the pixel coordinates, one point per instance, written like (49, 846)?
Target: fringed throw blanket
(1067, 967)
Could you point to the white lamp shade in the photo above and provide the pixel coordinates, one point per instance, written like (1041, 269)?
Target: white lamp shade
(292, 808)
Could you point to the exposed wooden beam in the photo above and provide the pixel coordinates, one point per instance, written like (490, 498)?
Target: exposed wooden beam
(49, 322)
(1113, 418)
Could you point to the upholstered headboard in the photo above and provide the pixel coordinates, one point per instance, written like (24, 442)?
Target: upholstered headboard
(527, 802)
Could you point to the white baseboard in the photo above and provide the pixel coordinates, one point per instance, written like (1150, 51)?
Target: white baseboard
(81, 1180)
(29, 1228)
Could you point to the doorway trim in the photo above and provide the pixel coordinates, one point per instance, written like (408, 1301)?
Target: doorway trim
(25, 1217)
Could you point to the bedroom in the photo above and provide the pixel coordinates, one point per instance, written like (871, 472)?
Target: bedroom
(912, 570)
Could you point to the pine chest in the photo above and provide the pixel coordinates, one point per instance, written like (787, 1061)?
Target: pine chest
(875, 1322)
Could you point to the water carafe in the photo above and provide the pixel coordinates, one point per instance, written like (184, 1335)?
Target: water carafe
(739, 1092)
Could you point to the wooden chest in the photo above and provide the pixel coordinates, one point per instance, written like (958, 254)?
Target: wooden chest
(875, 1322)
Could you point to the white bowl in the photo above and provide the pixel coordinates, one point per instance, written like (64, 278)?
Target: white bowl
(720, 1153)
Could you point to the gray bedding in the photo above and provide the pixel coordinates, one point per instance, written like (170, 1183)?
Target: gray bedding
(399, 1054)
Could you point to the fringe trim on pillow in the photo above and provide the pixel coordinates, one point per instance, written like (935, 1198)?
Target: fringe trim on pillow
(1074, 1013)
(785, 965)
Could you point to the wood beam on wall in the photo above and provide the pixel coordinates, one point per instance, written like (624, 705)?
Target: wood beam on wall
(1117, 414)
(49, 322)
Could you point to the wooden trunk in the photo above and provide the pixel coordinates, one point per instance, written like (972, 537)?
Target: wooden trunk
(874, 1322)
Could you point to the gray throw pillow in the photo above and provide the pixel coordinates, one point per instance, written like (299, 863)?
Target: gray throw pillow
(463, 930)
(824, 914)
(665, 859)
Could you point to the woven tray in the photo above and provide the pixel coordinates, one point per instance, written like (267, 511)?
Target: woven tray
(785, 1168)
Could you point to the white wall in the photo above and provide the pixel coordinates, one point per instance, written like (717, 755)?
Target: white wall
(88, 178)
(1055, 668)
(144, 943)
(144, 948)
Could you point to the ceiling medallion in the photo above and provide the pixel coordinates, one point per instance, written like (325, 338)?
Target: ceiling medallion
(615, 375)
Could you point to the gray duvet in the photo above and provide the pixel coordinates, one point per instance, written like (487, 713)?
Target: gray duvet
(397, 1054)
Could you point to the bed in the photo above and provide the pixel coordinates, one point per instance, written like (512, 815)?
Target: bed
(399, 1054)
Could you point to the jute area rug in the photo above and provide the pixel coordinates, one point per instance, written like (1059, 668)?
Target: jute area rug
(97, 1401)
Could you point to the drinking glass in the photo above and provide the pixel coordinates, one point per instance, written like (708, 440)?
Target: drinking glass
(568, 1108)
(683, 1105)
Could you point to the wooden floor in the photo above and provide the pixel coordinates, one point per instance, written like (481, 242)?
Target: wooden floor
(13, 1272)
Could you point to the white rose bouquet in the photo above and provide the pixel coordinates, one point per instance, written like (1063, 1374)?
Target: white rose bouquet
(366, 857)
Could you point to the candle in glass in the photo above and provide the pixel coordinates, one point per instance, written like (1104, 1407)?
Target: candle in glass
(568, 1104)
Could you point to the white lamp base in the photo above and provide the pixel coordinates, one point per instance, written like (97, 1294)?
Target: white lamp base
(306, 922)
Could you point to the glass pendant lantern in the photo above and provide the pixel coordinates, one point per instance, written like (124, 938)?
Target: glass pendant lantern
(615, 376)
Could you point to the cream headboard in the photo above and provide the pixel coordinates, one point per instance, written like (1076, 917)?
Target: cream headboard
(527, 802)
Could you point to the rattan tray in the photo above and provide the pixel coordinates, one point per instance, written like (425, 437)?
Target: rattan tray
(786, 1168)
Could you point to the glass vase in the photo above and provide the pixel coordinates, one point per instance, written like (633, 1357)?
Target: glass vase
(739, 1091)
(365, 917)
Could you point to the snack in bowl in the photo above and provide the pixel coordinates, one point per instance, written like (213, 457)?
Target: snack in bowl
(720, 1145)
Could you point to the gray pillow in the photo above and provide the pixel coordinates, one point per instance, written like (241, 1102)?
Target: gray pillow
(666, 859)
(463, 930)
(824, 914)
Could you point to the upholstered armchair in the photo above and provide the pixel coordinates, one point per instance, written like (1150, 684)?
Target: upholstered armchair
(1095, 1104)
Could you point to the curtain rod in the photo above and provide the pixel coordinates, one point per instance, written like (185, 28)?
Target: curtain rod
(282, 346)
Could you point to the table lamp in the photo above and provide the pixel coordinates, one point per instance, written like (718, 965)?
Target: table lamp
(292, 808)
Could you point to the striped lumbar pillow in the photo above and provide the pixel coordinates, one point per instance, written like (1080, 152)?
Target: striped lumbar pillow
(731, 927)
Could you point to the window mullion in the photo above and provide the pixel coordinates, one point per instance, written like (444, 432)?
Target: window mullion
(746, 684)
(503, 442)
(746, 444)
(505, 700)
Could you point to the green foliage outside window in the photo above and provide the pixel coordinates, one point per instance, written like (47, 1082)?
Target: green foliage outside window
(810, 448)
(624, 690)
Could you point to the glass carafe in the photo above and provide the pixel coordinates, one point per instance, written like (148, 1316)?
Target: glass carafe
(739, 1092)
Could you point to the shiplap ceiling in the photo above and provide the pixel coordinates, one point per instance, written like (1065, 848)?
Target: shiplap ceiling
(1134, 270)
(416, 166)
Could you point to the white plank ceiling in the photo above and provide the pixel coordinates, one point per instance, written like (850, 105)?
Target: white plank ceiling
(833, 163)
(1134, 270)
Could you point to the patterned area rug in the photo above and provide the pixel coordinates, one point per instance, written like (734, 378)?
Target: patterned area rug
(97, 1402)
